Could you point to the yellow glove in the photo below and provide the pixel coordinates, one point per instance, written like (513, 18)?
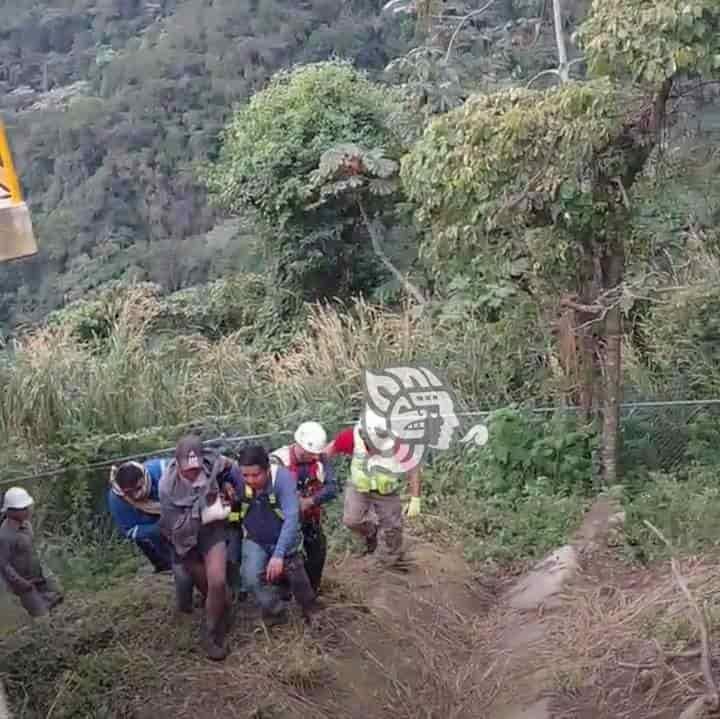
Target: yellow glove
(413, 507)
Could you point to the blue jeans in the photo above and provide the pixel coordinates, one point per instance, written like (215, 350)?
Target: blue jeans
(254, 564)
(255, 559)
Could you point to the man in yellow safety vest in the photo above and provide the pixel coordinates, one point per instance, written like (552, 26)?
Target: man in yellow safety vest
(376, 488)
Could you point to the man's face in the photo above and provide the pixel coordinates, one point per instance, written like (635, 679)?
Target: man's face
(134, 490)
(20, 515)
(191, 474)
(254, 476)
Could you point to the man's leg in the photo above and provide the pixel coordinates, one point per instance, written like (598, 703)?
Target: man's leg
(34, 603)
(300, 585)
(184, 586)
(253, 567)
(355, 516)
(315, 545)
(217, 603)
(390, 527)
(158, 553)
(234, 544)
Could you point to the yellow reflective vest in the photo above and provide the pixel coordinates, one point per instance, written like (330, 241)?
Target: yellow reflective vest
(375, 480)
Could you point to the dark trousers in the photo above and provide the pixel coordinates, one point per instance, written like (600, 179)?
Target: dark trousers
(315, 545)
(158, 552)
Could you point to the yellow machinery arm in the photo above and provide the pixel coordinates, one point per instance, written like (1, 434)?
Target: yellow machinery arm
(16, 234)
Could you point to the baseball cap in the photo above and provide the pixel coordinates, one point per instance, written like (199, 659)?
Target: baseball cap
(189, 452)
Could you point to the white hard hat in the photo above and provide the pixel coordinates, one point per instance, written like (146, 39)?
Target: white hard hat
(17, 498)
(377, 430)
(311, 436)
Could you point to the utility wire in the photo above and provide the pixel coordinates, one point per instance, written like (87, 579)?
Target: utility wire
(241, 438)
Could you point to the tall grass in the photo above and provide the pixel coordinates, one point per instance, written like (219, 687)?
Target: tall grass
(62, 386)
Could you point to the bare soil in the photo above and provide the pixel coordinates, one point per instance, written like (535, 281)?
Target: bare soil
(434, 641)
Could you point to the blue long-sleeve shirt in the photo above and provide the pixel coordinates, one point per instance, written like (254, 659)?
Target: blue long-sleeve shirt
(262, 523)
(133, 523)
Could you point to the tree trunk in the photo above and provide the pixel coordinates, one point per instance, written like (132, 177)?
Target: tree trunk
(612, 369)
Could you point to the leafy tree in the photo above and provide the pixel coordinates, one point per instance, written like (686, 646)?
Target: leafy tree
(544, 177)
(270, 157)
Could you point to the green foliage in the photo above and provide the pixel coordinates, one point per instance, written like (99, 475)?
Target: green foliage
(271, 154)
(684, 510)
(274, 144)
(651, 42)
(513, 176)
(523, 451)
(112, 105)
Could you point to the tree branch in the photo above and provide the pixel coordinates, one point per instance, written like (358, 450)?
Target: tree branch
(712, 697)
(469, 16)
(377, 247)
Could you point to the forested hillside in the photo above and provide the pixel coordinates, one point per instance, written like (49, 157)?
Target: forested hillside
(113, 107)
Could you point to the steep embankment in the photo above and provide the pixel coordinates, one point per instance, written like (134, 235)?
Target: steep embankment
(434, 641)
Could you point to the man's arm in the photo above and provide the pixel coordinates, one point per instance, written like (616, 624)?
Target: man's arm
(286, 493)
(330, 489)
(18, 584)
(344, 443)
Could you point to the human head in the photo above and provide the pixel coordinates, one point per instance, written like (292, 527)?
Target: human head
(254, 464)
(17, 503)
(189, 454)
(310, 441)
(375, 434)
(130, 477)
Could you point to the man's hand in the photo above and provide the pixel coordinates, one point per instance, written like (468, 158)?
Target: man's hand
(306, 503)
(275, 569)
(229, 493)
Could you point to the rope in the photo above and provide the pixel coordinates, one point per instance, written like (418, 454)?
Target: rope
(241, 438)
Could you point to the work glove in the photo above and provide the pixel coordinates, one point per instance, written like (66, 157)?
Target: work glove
(413, 507)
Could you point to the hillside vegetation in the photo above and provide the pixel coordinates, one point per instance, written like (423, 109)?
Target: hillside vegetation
(244, 205)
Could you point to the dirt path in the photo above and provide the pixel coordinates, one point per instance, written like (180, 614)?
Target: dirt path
(432, 642)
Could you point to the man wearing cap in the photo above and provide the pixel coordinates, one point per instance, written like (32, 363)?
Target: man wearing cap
(20, 566)
(316, 485)
(133, 501)
(192, 517)
(377, 488)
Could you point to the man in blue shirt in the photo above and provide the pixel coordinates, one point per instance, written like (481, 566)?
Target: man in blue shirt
(270, 509)
(135, 508)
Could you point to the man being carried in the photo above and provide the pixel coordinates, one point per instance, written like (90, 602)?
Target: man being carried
(271, 548)
(315, 480)
(376, 488)
(133, 500)
(20, 566)
(192, 517)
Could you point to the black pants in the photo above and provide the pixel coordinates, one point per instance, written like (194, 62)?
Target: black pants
(315, 545)
(158, 552)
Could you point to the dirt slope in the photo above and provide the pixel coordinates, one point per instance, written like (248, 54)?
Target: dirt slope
(432, 642)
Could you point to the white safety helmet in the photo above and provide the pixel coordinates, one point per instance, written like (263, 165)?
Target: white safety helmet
(377, 430)
(17, 498)
(311, 436)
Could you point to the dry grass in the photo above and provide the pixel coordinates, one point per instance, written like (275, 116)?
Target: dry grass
(615, 651)
(400, 647)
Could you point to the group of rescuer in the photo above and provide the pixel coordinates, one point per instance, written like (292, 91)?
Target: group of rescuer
(233, 527)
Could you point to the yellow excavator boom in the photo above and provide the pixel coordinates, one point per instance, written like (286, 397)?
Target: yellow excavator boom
(16, 233)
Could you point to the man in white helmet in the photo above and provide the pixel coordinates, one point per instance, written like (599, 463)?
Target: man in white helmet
(317, 486)
(20, 565)
(376, 478)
